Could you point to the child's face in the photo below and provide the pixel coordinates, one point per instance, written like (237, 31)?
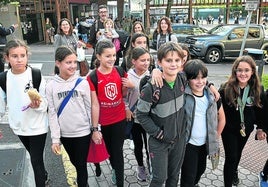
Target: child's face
(142, 63)
(107, 58)
(18, 59)
(243, 73)
(140, 42)
(170, 63)
(198, 84)
(109, 25)
(137, 28)
(68, 66)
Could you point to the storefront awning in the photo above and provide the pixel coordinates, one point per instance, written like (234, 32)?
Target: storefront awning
(79, 1)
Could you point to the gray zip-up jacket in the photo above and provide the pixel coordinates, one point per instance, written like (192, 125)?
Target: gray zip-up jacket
(212, 142)
(167, 115)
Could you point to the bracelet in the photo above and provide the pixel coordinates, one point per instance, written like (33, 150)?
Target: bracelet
(210, 84)
(94, 129)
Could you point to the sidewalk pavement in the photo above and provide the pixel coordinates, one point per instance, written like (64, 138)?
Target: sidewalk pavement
(252, 161)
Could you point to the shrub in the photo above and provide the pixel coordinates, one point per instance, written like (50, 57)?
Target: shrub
(265, 81)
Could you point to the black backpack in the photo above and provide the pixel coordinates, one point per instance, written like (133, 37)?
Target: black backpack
(94, 78)
(36, 76)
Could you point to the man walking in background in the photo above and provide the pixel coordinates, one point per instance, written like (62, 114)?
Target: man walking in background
(103, 15)
(3, 40)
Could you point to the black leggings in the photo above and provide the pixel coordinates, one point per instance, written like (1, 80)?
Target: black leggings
(114, 136)
(265, 168)
(194, 165)
(233, 144)
(35, 146)
(139, 136)
(77, 149)
(2, 62)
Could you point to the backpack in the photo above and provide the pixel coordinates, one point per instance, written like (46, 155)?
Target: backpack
(156, 90)
(36, 76)
(94, 78)
(123, 36)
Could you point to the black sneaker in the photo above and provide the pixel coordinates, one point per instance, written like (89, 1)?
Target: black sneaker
(98, 170)
(236, 180)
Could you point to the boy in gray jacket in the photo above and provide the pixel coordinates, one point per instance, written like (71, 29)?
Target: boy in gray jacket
(164, 121)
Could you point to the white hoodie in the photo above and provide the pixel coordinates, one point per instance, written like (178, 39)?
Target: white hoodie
(74, 120)
(32, 121)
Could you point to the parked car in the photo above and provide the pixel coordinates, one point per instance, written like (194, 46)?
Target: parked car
(182, 31)
(225, 41)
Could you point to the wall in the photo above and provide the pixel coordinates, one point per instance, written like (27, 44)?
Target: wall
(9, 16)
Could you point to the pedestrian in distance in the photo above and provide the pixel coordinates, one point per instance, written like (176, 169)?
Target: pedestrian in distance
(137, 40)
(206, 118)
(164, 32)
(3, 40)
(83, 29)
(94, 29)
(167, 133)
(136, 28)
(141, 61)
(108, 32)
(66, 36)
(50, 32)
(111, 86)
(70, 120)
(244, 104)
(23, 93)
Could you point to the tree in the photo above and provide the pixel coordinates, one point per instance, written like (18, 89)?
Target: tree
(4, 2)
(170, 2)
(120, 8)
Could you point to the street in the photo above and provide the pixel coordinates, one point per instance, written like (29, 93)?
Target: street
(42, 57)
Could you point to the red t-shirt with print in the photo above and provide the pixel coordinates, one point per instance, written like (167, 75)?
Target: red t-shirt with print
(112, 106)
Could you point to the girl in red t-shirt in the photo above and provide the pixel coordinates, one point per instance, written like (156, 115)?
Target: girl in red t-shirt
(110, 87)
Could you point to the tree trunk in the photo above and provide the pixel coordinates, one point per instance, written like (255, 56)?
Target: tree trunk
(147, 20)
(120, 9)
(169, 8)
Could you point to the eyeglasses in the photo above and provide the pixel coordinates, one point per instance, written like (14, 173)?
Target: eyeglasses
(103, 12)
(243, 70)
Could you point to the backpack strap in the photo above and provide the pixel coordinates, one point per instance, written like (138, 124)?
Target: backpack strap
(94, 78)
(155, 90)
(120, 70)
(36, 76)
(3, 81)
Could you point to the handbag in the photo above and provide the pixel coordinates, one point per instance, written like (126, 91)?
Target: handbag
(83, 67)
(97, 152)
(81, 54)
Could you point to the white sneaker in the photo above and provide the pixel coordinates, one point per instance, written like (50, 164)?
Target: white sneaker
(131, 144)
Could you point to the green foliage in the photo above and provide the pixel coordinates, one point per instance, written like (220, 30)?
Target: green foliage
(4, 2)
(265, 81)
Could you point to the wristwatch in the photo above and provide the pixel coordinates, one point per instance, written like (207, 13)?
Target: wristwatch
(98, 128)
